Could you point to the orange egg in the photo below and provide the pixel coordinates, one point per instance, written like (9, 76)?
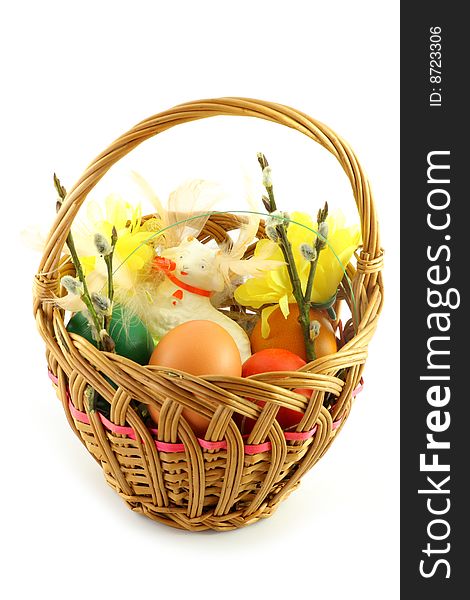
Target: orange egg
(287, 333)
(199, 348)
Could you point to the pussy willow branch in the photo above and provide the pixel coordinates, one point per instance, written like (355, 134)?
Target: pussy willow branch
(271, 204)
(108, 259)
(286, 249)
(319, 245)
(97, 321)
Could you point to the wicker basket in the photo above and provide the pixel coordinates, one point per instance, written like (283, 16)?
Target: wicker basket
(224, 481)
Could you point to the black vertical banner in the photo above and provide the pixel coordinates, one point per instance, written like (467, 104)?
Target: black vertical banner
(435, 340)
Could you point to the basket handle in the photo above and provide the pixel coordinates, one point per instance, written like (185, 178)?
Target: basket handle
(371, 256)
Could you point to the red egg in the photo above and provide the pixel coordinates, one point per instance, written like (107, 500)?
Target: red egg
(275, 359)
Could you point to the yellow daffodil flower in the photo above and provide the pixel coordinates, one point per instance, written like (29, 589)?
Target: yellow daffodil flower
(274, 287)
(131, 253)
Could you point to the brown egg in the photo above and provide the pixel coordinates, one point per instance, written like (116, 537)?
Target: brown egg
(199, 348)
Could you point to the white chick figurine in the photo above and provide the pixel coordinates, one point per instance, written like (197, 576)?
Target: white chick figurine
(193, 273)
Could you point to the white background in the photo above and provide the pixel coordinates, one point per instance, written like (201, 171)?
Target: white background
(76, 75)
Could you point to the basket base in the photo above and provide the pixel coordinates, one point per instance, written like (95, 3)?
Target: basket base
(177, 517)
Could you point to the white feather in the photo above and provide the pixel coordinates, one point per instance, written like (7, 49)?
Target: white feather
(34, 238)
(248, 229)
(253, 266)
(191, 202)
(188, 210)
(149, 193)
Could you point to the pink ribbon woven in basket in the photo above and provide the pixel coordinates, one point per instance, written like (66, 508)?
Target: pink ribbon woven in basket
(207, 445)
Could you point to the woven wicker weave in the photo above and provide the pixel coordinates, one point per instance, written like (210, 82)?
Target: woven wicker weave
(224, 481)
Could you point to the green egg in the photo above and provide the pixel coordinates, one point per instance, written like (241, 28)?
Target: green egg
(130, 335)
